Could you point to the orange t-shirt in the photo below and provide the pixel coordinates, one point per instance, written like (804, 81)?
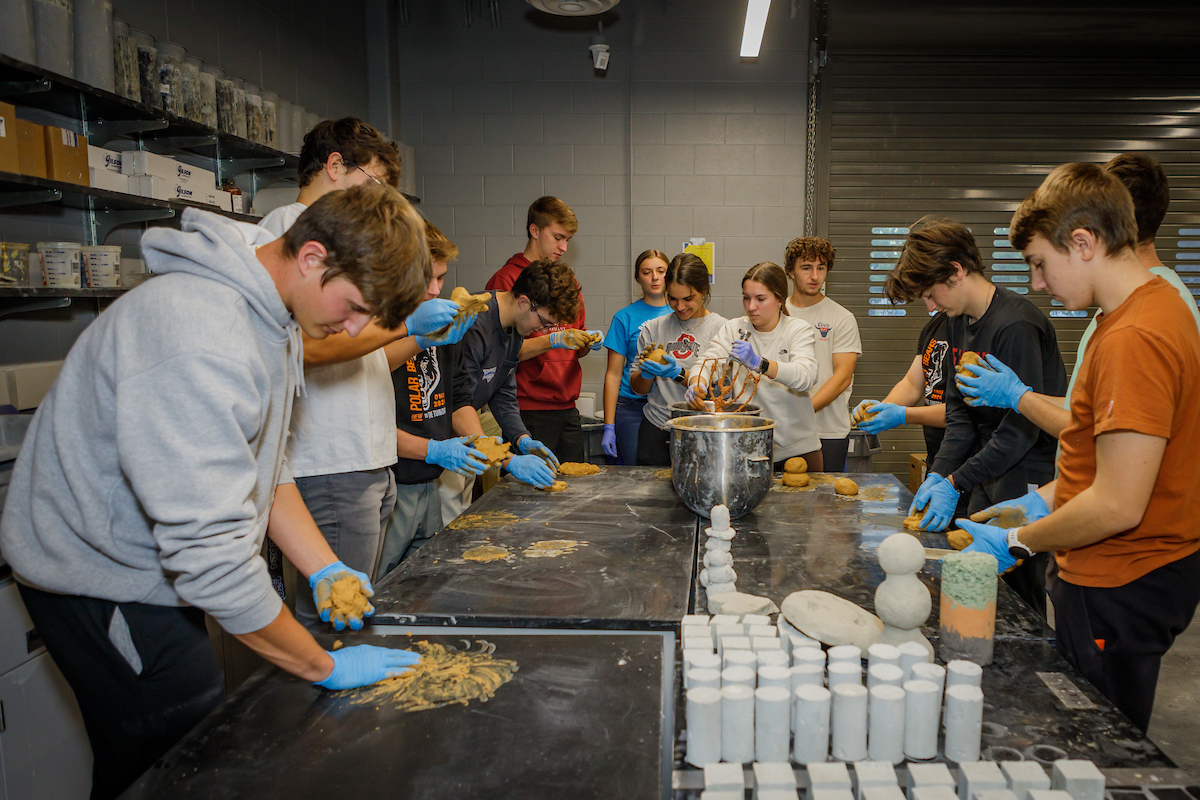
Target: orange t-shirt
(1141, 373)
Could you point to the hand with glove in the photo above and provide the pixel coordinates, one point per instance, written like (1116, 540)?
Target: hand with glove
(531, 446)
(571, 339)
(995, 385)
(609, 440)
(456, 455)
(431, 316)
(939, 498)
(1014, 513)
(695, 395)
(365, 664)
(531, 470)
(744, 352)
(453, 334)
(669, 370)
(321, 582)
(885, 416)
(594, 337)
(991, 540)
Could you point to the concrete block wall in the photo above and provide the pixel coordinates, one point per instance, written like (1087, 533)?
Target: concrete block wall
(680, 138)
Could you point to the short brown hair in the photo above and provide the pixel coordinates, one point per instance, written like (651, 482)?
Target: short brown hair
(546, 210)
(1149, 188)
(1075, 196)
(358, 143)
(772, 276)
(930, 252)
(440, 248)
(690, 270)
(808, 248)
(374, 239)
(550, 285)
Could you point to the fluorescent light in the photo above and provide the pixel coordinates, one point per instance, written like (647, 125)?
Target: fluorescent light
(756, 23)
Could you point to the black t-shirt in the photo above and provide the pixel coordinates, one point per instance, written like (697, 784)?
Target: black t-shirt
(429, 387)
(1015, 331)
(933, 347)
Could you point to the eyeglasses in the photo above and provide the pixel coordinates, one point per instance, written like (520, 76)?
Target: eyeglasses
(369, 175)
(544, 323)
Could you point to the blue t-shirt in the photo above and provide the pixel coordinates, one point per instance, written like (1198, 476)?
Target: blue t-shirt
(622, 336)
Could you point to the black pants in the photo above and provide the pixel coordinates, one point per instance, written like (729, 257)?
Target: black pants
(1117, 637)
(558, 429)
(833, 453)
(654, 445)
(143, 677)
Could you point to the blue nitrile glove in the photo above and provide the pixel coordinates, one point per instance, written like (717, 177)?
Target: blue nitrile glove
(1014, 513)
(431, 316)
(321, 582)
(744, 352)
(532, 447)
(453, 334)
(456, 455)
(365, 664)
(531, 470)
(596, 334)
(609, 440)
(939, 498)
(559, 341)
(694, 396)
(1000, 388)
(885, 417)
(669, 370)
(989, 539)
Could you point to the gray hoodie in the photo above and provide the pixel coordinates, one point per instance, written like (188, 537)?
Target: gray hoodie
(149, 469)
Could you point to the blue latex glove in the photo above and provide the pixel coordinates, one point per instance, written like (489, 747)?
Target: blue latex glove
(321, 582)
(998, 387)
(991, 540)
(939, 498)
(532, 447)
(744, 352)
(1015, 513)
(365, 664)
(669, 370)
(456, 455)
(560, 341)
(694, 396)
(596, 334)
(531, 470)
(609, 440)
(431, 316)
(886, 416)
(453, 334)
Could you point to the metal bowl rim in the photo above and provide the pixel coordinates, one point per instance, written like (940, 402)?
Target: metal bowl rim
(691, 423)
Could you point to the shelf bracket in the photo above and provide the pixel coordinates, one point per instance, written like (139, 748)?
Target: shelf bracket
(19, 88)
(236, 166)
(33, 305)
(30, 198)
(107, 219)
(102, 131)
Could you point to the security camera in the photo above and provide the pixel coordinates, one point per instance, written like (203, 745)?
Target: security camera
(599, 55)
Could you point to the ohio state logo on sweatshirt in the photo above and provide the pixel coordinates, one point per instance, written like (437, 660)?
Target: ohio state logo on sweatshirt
(683, 347)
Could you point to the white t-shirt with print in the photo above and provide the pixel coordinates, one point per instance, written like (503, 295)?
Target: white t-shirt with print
(684, 341)
(836, 331)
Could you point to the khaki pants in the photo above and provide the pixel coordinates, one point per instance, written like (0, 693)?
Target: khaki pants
(454, 490)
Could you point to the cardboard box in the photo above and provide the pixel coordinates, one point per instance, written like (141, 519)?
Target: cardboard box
(151, 186)
(109, 181)
(100, 158)
(66, 156)
(199, 179)
(139, 162)
(916, 471)
(10, 159)
(31, 148)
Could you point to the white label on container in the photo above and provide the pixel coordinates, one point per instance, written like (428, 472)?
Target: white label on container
(2, 132)
(68, 138)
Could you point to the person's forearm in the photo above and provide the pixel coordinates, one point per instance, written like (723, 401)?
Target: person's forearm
(1045, 411)
(641, 384)
(612, 393)
(534, 347)
(400, 351)
(292, 528)
(933, 416)
(339, 348)
(286, 644)
(904, 394)
(829, 391)
(409, 446)
(466, 422)
(1089, 517)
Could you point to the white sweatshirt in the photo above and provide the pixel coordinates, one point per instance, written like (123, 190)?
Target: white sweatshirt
(785, 399)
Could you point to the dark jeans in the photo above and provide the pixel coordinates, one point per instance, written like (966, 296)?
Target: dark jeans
(833, 453)
(143, 675)
(558, 429)
(1117, 637)
(653, 445)
(1029, 579)
(628, 420)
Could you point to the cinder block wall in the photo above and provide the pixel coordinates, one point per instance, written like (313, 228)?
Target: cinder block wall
(679, 139)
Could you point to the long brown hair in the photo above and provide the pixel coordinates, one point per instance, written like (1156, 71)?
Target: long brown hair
(688, 269)
(772, 276)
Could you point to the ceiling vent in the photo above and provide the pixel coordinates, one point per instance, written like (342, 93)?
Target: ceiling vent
(573, 8)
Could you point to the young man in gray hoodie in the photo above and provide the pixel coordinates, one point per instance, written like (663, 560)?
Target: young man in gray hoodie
(155, 466)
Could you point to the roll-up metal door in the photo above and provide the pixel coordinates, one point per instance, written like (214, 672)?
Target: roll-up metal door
(968, 139)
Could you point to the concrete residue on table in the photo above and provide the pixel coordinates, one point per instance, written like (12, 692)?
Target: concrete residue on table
(486, 552)
(551, 548)
(663, 474)
(445, 675)
(484, 519)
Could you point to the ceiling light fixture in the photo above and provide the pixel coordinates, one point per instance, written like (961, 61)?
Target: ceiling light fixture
(756, 24)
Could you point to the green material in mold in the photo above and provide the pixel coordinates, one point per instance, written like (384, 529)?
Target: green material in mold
(969, 579)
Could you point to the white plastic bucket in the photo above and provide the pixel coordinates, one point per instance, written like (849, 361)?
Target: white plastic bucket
(102, 265)
(61, 264)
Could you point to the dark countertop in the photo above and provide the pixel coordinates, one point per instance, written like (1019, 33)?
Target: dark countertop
(632, 568)
(582, 717)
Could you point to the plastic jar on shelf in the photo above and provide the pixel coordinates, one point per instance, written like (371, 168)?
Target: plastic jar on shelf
(16, 34)
(283, 117)
(270, 113)
(93, 43)
(14, 264)
(208, 94)
(54, 36)
(147, 55)
(170, 76)
(102, 266)
(299, 115)
(239, 107)
(125, 62)
(254, 114)
(61, 264)
(191, 88)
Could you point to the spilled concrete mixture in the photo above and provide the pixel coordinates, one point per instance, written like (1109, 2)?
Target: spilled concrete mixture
(444, 676)
(485, 553)
(484, 519)
(551, 548)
